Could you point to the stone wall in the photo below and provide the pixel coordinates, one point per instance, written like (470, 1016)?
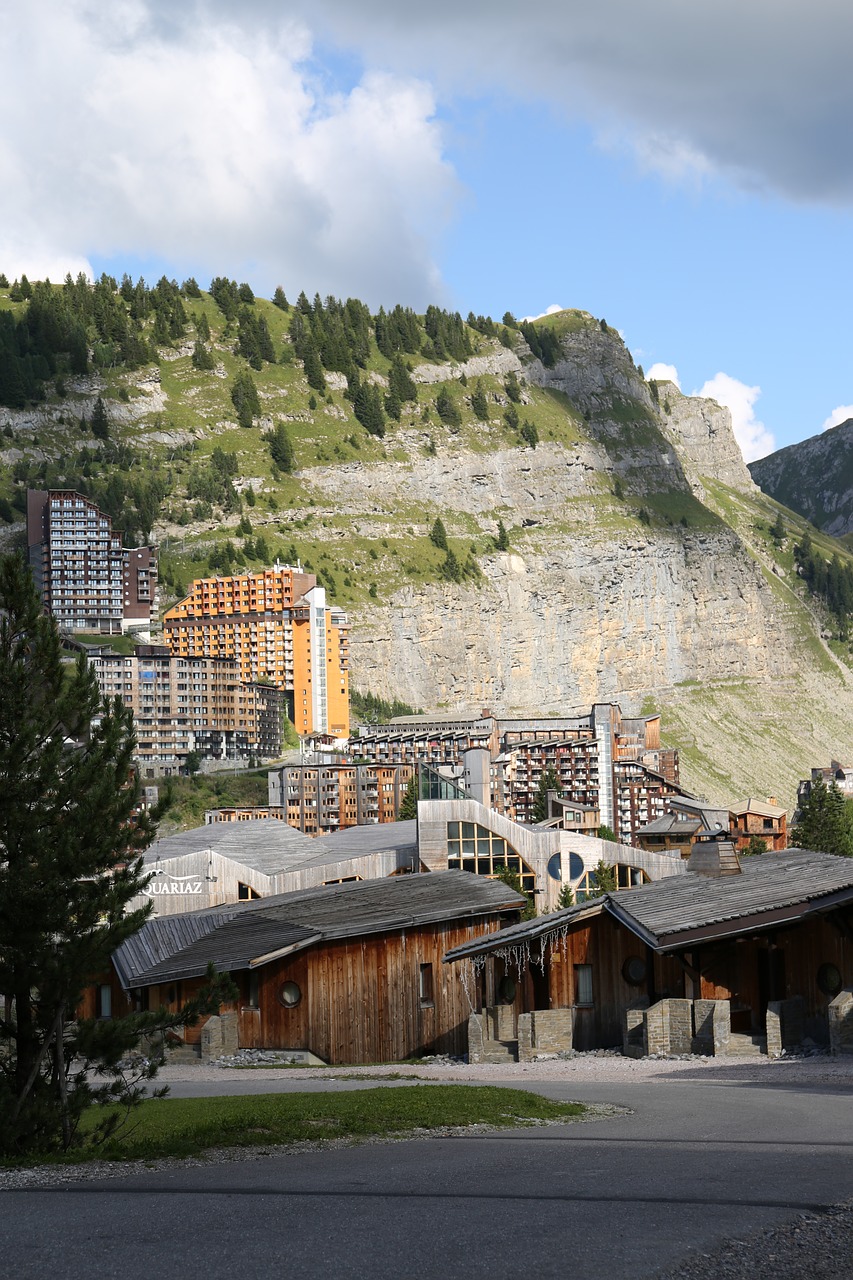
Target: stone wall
(219, 1037)
(712, 1021)
(674, 1026)
(785, 1025)
(840, 1014)
(475, 1038)
(668, 1027)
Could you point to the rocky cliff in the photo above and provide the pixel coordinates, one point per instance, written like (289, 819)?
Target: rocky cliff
(639, 564)
(814, 477)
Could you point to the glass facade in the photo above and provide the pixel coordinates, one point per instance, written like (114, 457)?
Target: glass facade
(471, 847)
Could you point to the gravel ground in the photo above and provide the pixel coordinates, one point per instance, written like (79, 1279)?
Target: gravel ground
(820, 1248)
(585, 1068)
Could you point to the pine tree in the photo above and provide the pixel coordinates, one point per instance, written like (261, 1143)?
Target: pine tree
(202, 357)
(400, 381)
(279, 299)
(313, 368)
(824, 821)
(512, 880)
(548, 781)
(479, 403)
(501, 538)
(281, 448)
(529, 433)
(438, 534)
(69, 869)
(244, 397)
(566, 897)
(100, 420)
(605, 877)
(409, 804)
(446, 408)
(513, 388)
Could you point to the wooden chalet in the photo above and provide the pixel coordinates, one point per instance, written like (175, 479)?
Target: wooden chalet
(351, 973)
(726, 958)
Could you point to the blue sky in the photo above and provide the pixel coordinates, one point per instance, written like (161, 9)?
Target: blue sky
(684, 171)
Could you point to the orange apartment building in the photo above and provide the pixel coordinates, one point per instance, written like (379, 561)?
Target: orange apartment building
(278, 628)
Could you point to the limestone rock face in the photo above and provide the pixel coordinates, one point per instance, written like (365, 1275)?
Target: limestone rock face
(593, 619)
(595, 367)
(700, 431)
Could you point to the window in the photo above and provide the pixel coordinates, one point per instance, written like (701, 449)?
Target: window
(425, 986)
(105, 1001)
(289, 994)
(829, 979)
(245, 892)
(253, 1001)
(583, 984)
(471, 847)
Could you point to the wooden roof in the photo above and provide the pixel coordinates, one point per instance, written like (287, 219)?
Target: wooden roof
(772, 889)
(249, 934)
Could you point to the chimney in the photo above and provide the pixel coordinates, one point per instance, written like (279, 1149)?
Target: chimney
(711, 856)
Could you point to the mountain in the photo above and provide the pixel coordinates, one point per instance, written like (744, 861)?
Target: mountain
(814, 478)
(604, 539)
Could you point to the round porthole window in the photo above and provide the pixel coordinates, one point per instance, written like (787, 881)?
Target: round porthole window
(506, 990)
(575, 866)
(829, 979)
(289, 994)
(555, 866)
(634, 971)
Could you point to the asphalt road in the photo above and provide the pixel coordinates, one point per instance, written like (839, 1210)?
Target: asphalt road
(625, 1196)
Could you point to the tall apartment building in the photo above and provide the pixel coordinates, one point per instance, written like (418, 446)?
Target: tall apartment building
(87, 579)
(277, 627)
(322, 798)
(612, 764)
(183, 705)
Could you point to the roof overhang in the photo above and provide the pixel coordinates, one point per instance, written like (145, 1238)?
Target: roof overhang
(269, 956)
(756, 922)
(505, 938)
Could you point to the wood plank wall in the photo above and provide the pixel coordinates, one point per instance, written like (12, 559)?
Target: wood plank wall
(605, 945)
(361, 997)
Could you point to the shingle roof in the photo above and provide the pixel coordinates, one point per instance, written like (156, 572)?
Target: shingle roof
(668, 824)
(355, 842)
(292, 921)
(763, 808)
(265, 844)
(771, 888)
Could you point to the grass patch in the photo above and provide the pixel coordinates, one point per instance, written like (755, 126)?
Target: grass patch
(188, 1126)
(124, 644)
(189, 797)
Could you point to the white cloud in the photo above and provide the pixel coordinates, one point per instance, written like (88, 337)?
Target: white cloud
(663, 373)
(839, 414)
(754, 438)
(758, 91)
(214, 145)
(549, 311)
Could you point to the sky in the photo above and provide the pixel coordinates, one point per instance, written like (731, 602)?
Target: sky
(684, 170)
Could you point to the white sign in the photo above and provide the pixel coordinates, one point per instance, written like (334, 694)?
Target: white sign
(172, 884)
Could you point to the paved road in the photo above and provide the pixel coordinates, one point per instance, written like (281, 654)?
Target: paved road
(693, 1165)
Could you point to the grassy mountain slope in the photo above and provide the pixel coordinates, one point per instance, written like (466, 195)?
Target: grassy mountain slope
(638, 564)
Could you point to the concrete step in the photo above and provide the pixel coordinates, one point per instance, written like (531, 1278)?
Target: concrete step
(746, 1046)
(186, 1054)
(499, 1052)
